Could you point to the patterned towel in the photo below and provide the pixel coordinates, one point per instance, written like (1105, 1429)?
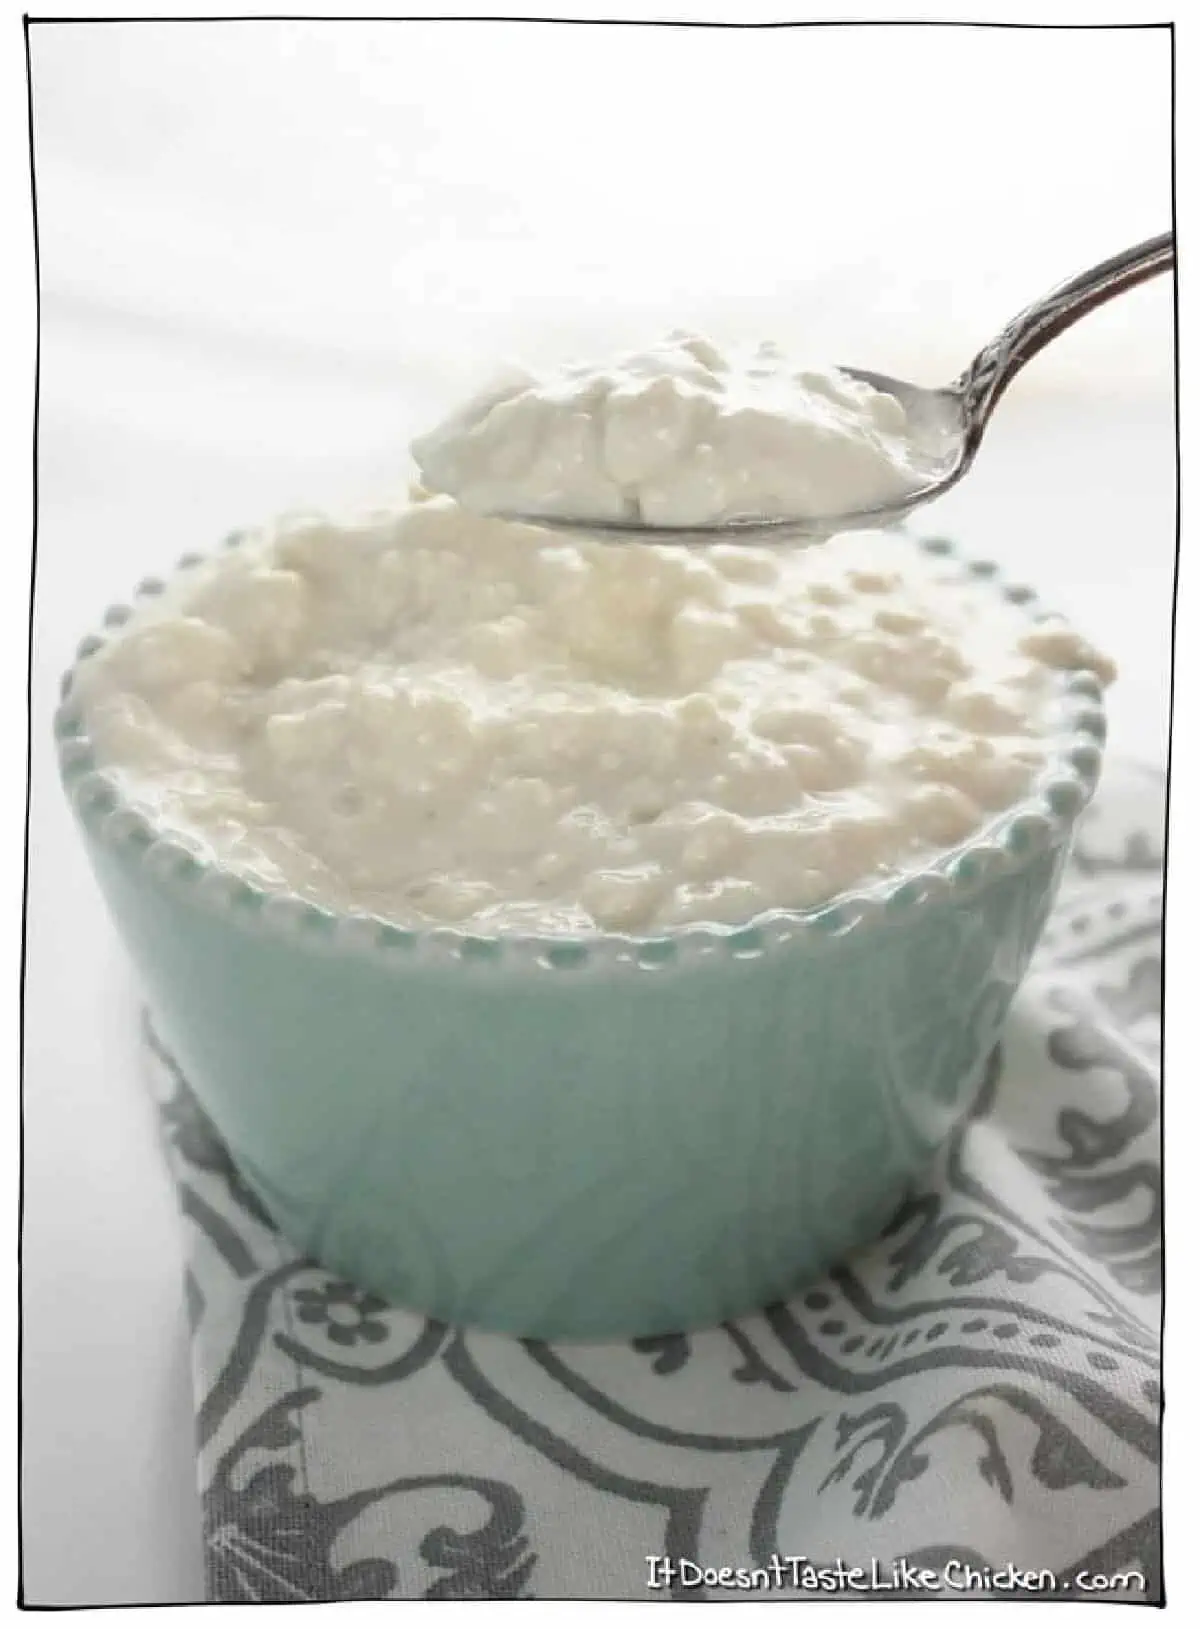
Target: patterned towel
(970, 1406)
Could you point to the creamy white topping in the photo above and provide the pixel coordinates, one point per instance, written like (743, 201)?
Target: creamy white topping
(684, 435)
(437, 718)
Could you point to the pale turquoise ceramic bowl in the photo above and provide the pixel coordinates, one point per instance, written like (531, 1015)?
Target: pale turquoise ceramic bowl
(598, 1136)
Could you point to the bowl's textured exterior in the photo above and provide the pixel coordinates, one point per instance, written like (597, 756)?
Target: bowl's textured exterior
(592, 1137)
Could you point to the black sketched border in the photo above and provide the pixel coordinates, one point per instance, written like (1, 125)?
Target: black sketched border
(67, 19)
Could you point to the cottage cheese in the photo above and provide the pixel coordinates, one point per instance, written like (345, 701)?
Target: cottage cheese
(444, 719)
(681, 435)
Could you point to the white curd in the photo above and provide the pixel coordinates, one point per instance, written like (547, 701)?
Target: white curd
(680, 435)
(444, 719)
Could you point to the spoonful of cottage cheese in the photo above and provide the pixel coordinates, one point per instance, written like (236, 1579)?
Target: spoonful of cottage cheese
(682, 436)
(686, 442)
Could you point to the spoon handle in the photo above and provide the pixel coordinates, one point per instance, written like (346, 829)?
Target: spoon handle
(998, 364)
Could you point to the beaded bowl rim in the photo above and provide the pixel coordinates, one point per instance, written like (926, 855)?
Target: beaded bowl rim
(1005, 844)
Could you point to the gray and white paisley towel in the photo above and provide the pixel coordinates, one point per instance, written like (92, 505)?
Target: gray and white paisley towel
(977, 1390)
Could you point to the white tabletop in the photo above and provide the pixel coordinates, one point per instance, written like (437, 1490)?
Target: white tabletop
(163, 426)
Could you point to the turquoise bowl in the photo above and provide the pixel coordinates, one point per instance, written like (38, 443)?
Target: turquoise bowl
(593, 1137)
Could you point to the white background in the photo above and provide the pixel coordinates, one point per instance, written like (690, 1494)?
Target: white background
(270, 252)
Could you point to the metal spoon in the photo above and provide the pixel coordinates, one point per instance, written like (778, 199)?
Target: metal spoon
(947, 424)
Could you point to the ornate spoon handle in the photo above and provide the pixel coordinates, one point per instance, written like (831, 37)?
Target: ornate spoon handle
(997, 365)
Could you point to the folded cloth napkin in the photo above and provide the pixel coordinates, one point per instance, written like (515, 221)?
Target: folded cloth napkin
(968, 1406)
